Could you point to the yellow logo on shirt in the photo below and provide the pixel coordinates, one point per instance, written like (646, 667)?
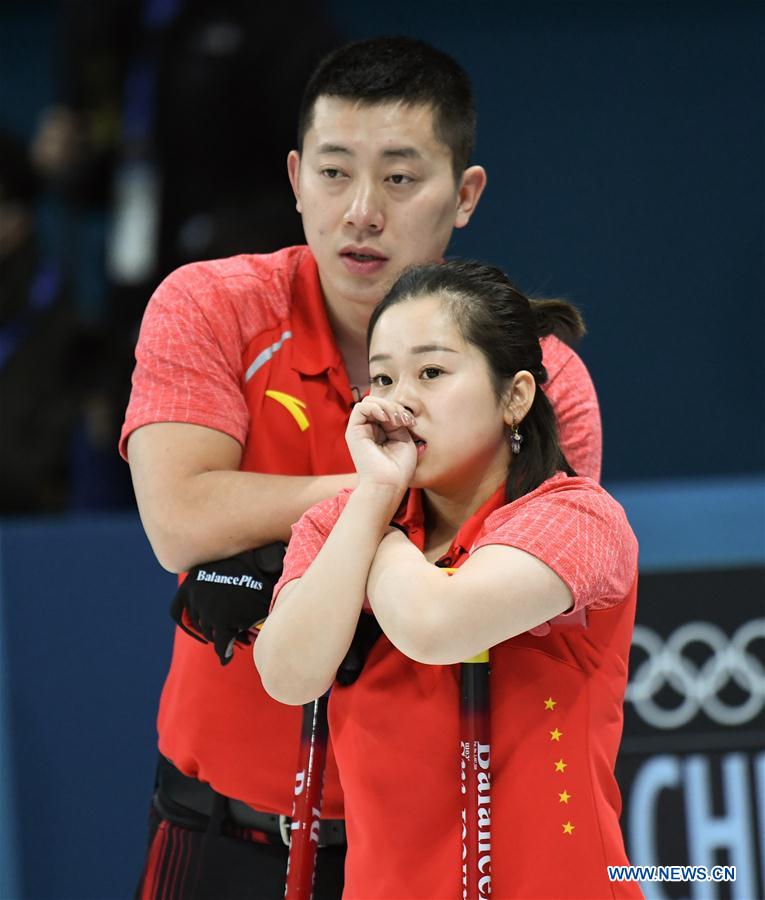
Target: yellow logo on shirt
(293, 406)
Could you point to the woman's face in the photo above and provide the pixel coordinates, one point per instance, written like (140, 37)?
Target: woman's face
(419, 358)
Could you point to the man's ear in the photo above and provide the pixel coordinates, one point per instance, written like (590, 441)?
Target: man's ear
(519, 397)
(293, 171)
(471, 187)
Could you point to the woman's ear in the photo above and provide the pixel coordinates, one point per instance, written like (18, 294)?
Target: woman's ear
(519, 397)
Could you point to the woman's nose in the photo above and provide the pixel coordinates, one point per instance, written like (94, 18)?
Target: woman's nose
(406, 395)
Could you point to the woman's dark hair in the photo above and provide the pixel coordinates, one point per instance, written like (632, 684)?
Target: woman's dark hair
(494, 316)
(398, 70)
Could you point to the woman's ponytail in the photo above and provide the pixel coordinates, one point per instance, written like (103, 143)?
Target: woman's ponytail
(554, 316)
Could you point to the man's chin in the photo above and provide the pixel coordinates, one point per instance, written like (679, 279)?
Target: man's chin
(367, 291)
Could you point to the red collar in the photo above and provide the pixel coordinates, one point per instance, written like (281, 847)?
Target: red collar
(411, 517)
(313, 349)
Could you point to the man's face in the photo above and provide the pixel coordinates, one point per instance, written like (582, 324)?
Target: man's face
(377, 193)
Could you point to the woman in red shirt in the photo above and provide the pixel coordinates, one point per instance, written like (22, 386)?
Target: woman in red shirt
(457, 446)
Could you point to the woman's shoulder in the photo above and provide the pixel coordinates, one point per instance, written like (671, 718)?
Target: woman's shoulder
(577, 529)
(562, 497)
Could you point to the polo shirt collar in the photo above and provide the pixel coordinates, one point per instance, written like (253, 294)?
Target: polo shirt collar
(469, 530)
(313, 344)
(411, 517)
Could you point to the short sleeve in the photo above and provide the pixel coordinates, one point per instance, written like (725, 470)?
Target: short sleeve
(580, 532)
(308, 536)
(572, 394)
(188, 359)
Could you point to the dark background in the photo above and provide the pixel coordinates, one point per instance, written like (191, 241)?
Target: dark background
(624, 143)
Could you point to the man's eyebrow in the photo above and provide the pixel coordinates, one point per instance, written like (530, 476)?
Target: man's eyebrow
(402, 153)
(390, 152)
(420, 348)
(333, 148)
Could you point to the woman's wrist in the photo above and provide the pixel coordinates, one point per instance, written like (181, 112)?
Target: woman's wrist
(395, 552)
(383, 499)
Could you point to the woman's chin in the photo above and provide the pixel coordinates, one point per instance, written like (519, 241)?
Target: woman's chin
(418, 481)
(422, 479)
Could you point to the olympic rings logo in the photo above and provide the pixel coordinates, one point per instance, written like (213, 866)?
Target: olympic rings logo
(699, 686)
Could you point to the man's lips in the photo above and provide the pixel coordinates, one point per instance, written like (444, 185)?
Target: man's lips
(363, 253)
(362, 260)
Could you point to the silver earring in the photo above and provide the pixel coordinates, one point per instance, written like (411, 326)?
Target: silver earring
(516, 439)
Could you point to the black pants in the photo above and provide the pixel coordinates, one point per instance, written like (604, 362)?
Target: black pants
(217, 860)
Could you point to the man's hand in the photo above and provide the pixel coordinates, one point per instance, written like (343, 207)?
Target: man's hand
(220, 601)
(367, 632)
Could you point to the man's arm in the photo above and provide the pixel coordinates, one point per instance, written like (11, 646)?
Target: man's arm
(573, 398)
(196, 506)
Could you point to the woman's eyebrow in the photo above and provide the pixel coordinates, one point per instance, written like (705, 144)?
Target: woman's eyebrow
(429, 348)
(420, 348)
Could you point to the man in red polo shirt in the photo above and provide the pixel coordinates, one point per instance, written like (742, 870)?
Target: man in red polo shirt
(246, 371)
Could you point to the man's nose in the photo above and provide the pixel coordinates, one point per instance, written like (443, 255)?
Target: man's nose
(365, 210)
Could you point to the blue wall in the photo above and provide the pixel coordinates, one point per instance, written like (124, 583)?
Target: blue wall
(9, 868)
(624, 144)
(86, 639)
(86, 636)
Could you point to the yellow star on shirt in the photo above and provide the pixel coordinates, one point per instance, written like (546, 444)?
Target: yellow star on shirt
(568, 828)
(556, 735)
(550, 703)
(560, 765)
(564, 797)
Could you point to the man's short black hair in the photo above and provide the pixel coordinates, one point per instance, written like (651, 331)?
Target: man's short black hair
(399, 69)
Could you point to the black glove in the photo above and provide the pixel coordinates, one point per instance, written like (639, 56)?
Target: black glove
(367, 632)
(220, 601)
